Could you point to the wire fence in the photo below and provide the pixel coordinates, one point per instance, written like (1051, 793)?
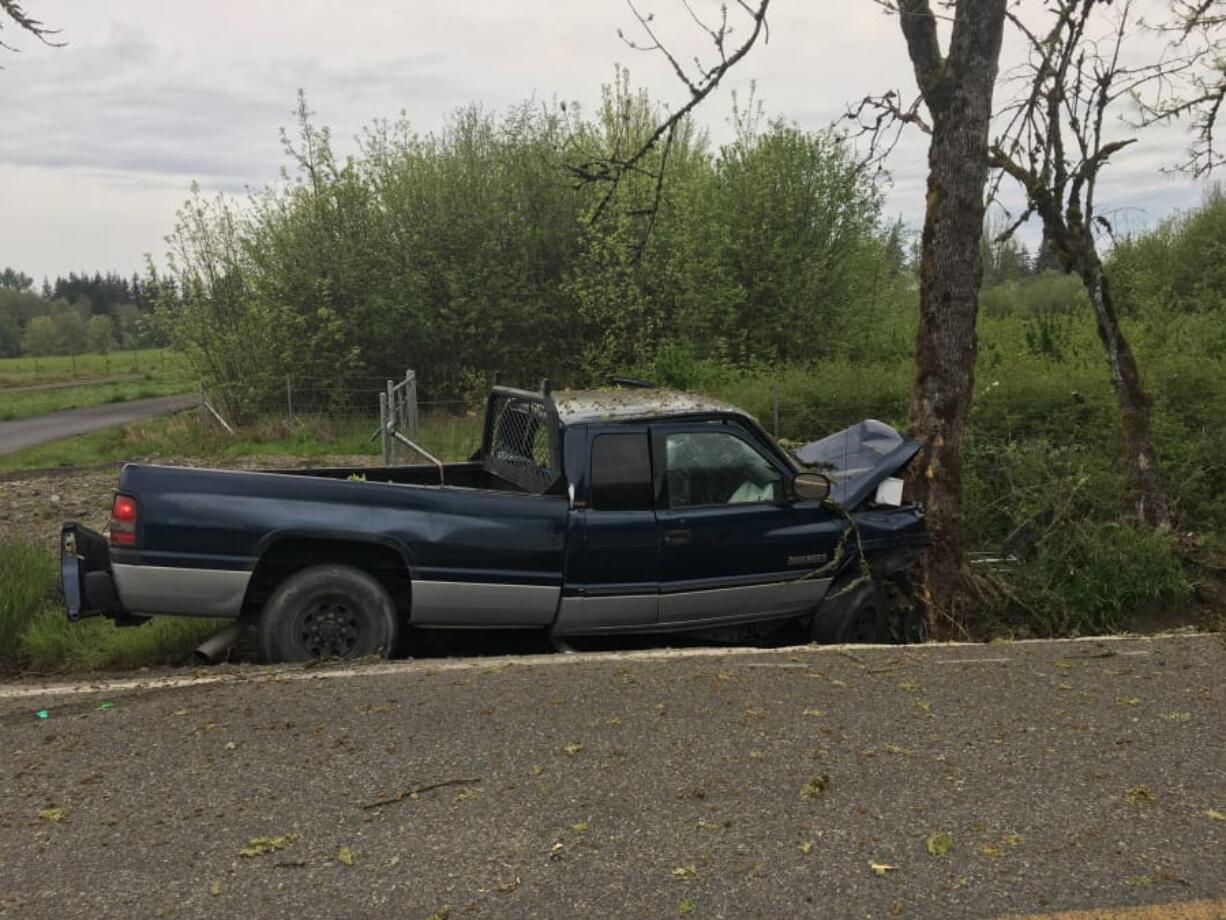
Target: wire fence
(346, 419)
(450, 429)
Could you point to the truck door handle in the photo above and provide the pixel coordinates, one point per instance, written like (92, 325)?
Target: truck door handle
(676, 537)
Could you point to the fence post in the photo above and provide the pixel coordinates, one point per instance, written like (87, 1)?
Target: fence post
(383, 427)
(289, 399)
(775, 404)
(410, 402)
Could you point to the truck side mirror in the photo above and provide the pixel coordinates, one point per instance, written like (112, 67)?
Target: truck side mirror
(811, 486)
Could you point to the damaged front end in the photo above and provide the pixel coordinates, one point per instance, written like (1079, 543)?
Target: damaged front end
(872, 598)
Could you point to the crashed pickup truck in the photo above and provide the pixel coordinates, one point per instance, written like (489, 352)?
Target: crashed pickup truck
(593, 512)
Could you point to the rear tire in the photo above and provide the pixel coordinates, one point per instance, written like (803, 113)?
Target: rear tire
(327, 611)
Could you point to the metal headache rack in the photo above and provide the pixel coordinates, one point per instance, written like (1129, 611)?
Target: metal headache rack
(521, 442)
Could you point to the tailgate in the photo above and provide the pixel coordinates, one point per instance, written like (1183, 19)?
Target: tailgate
(85, 573)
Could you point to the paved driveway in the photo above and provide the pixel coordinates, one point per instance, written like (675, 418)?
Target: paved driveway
(29, 432)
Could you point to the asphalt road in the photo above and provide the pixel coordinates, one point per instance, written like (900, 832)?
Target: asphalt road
(936, 781)
(29, 432)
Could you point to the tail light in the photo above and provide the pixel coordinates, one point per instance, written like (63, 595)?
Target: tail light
(123, 521)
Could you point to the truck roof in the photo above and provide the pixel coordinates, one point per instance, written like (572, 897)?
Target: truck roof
(617, 404)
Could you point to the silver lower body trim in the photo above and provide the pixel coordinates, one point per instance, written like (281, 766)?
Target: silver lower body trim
(777, 599)
(466, 603)
(182, 592)
(583, 614)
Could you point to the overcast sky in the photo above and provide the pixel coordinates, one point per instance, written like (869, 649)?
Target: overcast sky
(100, 140)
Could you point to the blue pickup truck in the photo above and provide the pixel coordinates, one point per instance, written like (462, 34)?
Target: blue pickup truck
(590, 512)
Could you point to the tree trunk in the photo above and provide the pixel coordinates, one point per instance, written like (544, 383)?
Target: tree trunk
(958, 93)
(1145, 487)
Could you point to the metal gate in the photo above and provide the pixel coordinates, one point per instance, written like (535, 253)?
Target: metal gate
(398, 421)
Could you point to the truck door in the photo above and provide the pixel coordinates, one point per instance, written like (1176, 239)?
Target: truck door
(734, 544)
(618, 575)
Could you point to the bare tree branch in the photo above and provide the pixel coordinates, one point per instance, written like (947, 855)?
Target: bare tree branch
(15, 11)
(1196, 93)
(610, 168)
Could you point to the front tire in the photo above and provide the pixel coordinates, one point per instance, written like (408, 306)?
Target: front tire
(859, 617)
(327, 611)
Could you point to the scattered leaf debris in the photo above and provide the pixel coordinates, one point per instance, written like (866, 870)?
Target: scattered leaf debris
(54, 815)
(259, 846)
(345, 856)
(938, 844)
(815, 786)
(881, 868)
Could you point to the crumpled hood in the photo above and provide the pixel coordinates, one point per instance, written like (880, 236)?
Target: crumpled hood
(858, 458)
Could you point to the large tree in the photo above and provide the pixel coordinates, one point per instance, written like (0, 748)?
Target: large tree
(956, 89)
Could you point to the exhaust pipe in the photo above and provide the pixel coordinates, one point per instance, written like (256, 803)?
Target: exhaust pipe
(214, 648)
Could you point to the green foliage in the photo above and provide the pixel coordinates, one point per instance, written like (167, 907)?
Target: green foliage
(40, 336)
(75, 305)
(156, 364)
(1178, 268)
(28, 575)
(35, 634)
(472, 249)
(99, 333)
(51, 643)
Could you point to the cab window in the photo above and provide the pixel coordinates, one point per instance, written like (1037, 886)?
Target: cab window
(716, 468)
(621, 472)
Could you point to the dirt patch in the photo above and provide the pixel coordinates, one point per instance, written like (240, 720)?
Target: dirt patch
(34, 504)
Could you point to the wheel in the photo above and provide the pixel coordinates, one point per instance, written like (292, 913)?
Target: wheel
(861, 616)
(328, 611)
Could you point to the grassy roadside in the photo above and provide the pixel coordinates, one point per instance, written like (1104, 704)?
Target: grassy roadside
(29, 404)
(36, 636)
(450, 437)
(153, 372)
(30, 371)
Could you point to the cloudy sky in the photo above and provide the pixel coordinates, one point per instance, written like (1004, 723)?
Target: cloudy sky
(100, 140)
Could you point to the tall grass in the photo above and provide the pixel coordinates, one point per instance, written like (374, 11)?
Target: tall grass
(27, 581)
(35, 634)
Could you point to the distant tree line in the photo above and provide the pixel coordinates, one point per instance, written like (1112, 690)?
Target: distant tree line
(73, 315)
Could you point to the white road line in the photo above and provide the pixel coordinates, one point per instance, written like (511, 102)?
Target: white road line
(294, 673)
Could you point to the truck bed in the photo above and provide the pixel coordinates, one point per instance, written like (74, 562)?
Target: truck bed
(472, 551)
(468, 475)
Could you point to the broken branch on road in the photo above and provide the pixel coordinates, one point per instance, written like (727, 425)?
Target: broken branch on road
(417, 790)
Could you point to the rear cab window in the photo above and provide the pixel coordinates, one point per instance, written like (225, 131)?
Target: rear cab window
(621, 472)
